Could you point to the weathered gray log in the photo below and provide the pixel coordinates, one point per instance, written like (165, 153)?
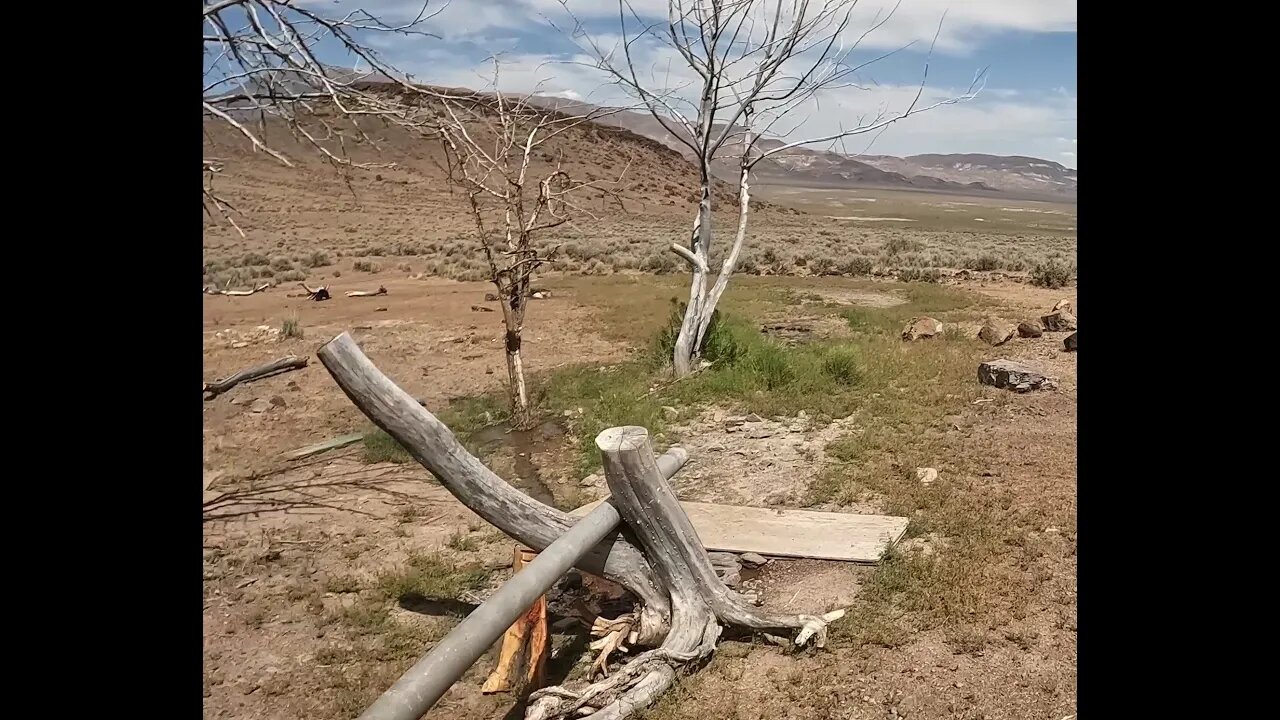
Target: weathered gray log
(526, 520)
(699, 601)
(382, 290)
(423, 684)
(275, 367)
(1014, 376)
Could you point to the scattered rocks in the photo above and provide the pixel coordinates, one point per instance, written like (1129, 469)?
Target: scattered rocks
(926, 476)
(1015, 376)
(996, 332)
(259, 406)
(1069, 342)
(1059, 321)
(921, 327)
(753, 560)
(1030, 329)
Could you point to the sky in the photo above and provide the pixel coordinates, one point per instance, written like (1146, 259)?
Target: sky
(1026, 104)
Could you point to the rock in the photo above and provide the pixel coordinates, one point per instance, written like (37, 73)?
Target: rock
(731, 578)
(759, 433)
(292, 386)
(1069, 342)
(278, 401)
(1059, 321)
(996, 332)
(591, 480)
(1030, 329)
(1014, 376)
(259, 406)
(381, 309)
(926, 476)
(490, 297)
(1063, 306)
(753, 418)
(670, 414)
(921, 327)
(802, 415)
(753, 560)
(719, 558)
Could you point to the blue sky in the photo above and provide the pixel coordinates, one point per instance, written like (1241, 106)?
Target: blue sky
(1028, 47)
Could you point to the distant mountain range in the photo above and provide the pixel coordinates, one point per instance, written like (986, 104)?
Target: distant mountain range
(966, 173)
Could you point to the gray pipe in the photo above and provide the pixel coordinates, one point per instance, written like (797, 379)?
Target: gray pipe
(423, 684)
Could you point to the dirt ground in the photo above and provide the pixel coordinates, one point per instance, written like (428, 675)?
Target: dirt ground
(291, 547)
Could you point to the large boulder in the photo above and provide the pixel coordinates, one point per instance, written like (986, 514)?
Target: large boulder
(1014, 376)
(996, 332)
(1059, 321)
(1030, 329)
(1069, 342)
(921, 327)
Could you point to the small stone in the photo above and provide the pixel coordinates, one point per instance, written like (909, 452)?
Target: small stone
(381, 309)
(921, 327)
(488, 371)
(240, 345)
(926, 476)
(1063, 305)
(259, 406)
(590, 480)
(278, 401)
(753, 418)
(802, 415)
(996, 332)
(759, 433)
(670, 414)
(753, 560)
(1069, 342)
(1060, 321)
(1030, 329)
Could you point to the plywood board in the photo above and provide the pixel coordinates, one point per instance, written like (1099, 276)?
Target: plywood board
(782, 532)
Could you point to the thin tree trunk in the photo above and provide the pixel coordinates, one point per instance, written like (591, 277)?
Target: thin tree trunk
(730, 262)
(517, 389)
(686, 348)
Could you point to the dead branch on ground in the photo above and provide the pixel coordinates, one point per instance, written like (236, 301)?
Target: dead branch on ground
(275, 367)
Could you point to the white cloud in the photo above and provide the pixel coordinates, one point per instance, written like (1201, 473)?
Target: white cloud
(1001, 120)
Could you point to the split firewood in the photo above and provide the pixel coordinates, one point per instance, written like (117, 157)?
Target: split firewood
(523, 656)
(382, 290)
(275, 367)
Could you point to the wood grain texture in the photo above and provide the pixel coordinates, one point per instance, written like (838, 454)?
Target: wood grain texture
(791, 533)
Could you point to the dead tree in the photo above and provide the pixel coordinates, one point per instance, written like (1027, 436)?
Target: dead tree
(683, 605)
(495, 149)
(260, 66)
(755, 64)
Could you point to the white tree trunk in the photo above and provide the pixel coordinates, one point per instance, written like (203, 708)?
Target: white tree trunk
(697, 316)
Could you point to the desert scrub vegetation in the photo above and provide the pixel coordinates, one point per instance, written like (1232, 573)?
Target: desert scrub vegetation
(1051, 274)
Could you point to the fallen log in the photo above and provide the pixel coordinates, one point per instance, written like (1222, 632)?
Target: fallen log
(275, 367)
(382, 290)
(236, 293)
(318, 294)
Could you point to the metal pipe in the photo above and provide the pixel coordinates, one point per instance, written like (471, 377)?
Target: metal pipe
(423, 684)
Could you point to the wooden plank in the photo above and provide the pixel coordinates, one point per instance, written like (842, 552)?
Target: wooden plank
(782, 532)
(327, 445)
